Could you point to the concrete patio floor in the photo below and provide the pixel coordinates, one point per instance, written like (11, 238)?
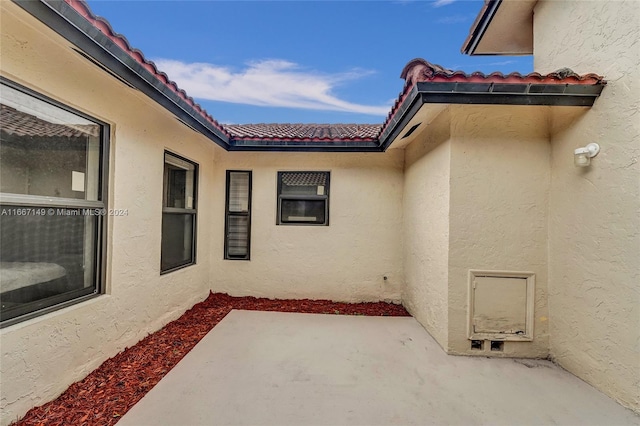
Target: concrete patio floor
(270, 368)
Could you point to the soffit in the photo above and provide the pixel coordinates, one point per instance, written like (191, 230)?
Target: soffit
(503, 27)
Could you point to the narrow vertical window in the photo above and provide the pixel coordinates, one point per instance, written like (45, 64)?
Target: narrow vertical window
(178, 213)
(238, 215)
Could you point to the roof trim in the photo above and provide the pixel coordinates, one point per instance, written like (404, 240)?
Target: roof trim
(430, 83)
(100, 44)
(491, 93)
(424, 83)
(480, 25)
(400, 116)
(502, 27)
(307, 146)
(76, 28)
(509, 94)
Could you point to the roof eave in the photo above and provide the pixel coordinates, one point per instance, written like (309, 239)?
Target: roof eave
(104, 51)
(97, 47)
(502, 27)
(495, 93)
(402, 116)
(489, 93)
(480, 25)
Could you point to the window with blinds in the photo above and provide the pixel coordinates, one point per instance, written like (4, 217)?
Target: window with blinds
(237, 241)
(303, 198)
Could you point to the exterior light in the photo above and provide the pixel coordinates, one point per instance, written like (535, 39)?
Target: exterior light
(582, 156)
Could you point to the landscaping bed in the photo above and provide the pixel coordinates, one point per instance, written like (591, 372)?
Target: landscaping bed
(112, 389)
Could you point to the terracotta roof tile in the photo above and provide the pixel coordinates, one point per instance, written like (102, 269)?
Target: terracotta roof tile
(419, 70)
(103, 25)
(305, 132)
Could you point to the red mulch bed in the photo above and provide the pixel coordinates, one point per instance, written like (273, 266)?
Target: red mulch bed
(114, 387)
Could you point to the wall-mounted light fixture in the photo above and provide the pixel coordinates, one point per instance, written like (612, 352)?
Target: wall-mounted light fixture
(582, 156)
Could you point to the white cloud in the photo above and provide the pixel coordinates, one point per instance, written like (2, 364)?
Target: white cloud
(440, 3)
(276, 83)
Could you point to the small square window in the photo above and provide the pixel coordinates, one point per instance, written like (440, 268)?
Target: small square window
(303, 198)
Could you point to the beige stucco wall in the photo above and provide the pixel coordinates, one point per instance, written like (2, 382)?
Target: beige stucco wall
(41, 357)
(476, 197)
(426, 228)
(346, 260)
(594, 227)
(498, 211)
(485, 190)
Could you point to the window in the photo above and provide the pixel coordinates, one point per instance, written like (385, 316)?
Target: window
(178, 213)
(238, 215)
(53, 165)
(303, 198)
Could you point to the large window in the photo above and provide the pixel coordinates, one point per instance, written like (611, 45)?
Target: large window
(178, 213)
(303, 198)
(53, 164)
(238, 215)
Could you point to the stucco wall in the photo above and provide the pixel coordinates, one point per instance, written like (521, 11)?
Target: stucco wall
(43, 356)
(426, 228)
(346, 260)
(476, 197)
(594, 227)
(498, 210)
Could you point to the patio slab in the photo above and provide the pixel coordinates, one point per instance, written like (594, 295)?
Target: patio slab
(271, 368)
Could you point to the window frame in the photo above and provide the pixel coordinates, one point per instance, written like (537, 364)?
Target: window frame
(176, 210)
(229, 213)
(281, 197)
(36, 309)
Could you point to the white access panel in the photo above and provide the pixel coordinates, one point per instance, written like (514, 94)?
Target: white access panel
(501, 305)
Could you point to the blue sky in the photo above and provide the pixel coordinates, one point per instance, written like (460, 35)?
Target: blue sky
(299, 61)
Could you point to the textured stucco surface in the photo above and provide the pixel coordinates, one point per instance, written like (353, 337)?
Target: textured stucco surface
(41, 357)
(490, 188)
(498, 210)
(345, 261)
(426, 228)
(594, 226)
(475, 197)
